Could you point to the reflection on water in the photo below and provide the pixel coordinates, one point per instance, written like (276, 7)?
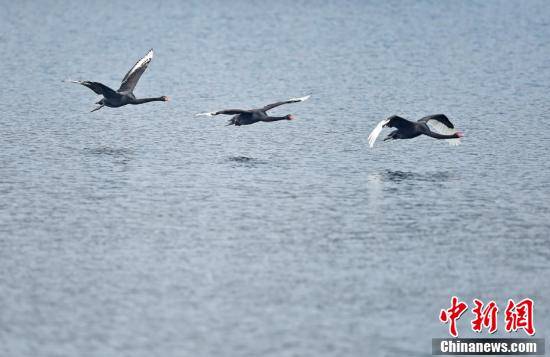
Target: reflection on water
(109, 151)
(396, 176)
(241, 159)
(399, 176)
(121, 156)
(246, 161)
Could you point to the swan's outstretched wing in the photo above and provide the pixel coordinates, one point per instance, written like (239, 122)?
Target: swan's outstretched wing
(441, 118)
(376, 131)
(439, 123)
(399, 123)
(131, 78)
(225, 111)
(291, 100)
(98, 88)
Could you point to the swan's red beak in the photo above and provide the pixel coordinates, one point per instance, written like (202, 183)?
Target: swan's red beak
(291, 117)
(459, 134)
(166, 98)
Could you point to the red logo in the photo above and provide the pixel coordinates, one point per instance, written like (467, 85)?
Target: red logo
(516, 316)
(520, 316)
(485, 317)
(452, 314)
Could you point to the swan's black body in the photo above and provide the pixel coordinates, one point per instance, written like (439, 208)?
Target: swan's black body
(251, 116)
(407, 129)
(124, 95)
(247, 117)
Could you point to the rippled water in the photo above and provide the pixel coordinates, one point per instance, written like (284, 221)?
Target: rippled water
(144, 231)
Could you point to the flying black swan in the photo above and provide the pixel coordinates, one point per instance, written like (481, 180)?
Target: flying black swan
(124, 95)
(247, 117)
(437, 126)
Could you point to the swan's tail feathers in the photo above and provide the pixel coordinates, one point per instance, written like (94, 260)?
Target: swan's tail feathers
(376, 132)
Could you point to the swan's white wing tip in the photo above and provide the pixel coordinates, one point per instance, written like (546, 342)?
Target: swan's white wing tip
(301, 99)
(204, 114)
(376, 132)
(372, 140)
(142, 62)
(146, 59)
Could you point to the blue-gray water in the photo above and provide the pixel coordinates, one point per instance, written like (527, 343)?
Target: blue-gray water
(145, 231)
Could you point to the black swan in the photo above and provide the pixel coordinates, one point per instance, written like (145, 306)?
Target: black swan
(247, 117)
(437, 126)
(124, 95)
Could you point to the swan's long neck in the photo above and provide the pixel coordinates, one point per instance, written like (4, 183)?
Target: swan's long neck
(270, 118)
(147, 100)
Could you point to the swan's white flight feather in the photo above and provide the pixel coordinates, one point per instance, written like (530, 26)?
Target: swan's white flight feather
(211, 114)
(441, 128)
(376, 131)
(146, 59)
(300, 99)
